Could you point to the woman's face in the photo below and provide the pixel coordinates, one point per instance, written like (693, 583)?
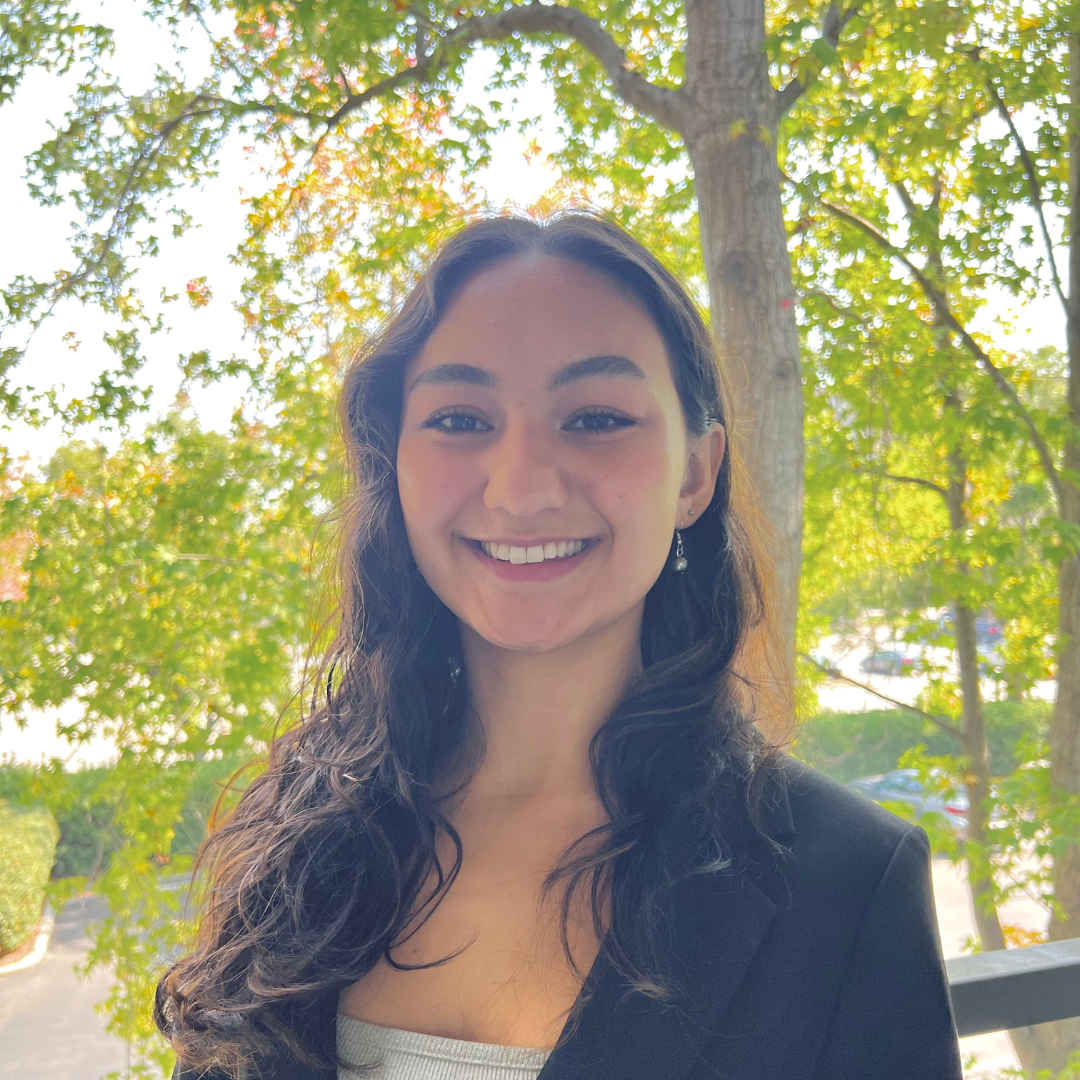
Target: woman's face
(543, 463)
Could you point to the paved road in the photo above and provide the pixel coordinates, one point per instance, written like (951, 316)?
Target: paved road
(48, 1027)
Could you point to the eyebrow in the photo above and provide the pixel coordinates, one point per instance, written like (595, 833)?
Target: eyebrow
(590, 367)
(445, 374)
(617, 366)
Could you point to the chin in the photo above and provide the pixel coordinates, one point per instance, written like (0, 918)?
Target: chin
(526, 633)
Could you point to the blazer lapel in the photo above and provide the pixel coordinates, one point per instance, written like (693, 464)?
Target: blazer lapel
(717, 925)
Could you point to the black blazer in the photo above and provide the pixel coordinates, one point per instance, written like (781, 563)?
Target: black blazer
(823, 964)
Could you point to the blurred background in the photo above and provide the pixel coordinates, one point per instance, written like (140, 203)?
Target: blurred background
(209, 204)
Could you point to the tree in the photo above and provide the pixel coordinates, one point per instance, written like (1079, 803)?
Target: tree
(167, 590)
(924, 466)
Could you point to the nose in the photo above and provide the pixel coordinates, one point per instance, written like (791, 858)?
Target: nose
(523, 474)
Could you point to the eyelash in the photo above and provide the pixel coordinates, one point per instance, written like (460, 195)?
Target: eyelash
(617, 421)
(436, 422)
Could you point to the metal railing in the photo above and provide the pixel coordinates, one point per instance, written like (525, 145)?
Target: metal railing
(994, 991)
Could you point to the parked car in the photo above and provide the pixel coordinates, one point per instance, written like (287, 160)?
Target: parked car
(905, 786)
(988, 632)
(888, 662)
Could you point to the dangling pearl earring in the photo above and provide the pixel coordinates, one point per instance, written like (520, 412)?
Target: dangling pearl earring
(679, 563)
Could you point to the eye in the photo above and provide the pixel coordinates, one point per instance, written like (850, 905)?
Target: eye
(597, 420)
(457, 422)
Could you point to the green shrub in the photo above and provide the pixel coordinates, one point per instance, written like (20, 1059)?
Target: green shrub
(27, 848)
(847, 745)
(84, 804)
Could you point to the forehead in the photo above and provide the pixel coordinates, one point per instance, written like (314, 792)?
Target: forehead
(531, 314)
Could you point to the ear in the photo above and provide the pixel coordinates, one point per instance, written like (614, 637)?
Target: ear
(702, 468)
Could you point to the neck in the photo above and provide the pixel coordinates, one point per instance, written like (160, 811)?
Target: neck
(538, 712)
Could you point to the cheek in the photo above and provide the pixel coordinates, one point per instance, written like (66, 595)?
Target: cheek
(638, 492)
(430, 488)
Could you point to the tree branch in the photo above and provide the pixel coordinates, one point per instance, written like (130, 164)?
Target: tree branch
(943, 492)
(915, 480)
(1033, 185)
(831, 29)
(666, 106)
(947, 319)
(151, 146)
(935, 720)
(851, 313)
(836, 305)
(911, 207)
(845, 311)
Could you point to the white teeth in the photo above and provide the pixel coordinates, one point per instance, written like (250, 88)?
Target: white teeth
(537, 553)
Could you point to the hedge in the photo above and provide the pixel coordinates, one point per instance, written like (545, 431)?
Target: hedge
(27, 849)
(847, 745)
(85, 802)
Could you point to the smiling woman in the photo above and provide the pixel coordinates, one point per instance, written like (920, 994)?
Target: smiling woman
(531, 826)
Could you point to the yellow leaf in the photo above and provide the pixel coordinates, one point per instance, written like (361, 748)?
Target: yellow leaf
(737, 128)
(1019, 937)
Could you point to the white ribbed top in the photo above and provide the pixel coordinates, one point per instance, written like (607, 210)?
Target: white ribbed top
(393, 1054)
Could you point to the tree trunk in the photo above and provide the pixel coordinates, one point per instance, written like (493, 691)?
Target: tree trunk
(737, 182)
(973, 744)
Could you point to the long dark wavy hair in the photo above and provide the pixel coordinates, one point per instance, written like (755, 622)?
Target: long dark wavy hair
(326, 861)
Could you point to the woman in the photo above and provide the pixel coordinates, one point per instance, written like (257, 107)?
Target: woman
(530, 827)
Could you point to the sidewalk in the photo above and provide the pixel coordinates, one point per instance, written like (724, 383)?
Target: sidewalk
(48, 1027)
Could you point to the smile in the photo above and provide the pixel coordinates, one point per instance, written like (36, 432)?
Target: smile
(533, 553)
